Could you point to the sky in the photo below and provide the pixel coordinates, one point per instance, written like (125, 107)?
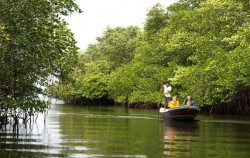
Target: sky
(99, 14)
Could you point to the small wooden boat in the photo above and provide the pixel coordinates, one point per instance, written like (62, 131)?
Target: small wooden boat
(181, 113)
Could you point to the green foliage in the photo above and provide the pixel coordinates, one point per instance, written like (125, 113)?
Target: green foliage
(35, 43)
(201, 46)
(117, 45)
(91, 76)
(156, 19)
(212, 78)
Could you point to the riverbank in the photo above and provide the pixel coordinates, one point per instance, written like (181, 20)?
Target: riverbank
(206, 109)
(226, 108)
(240, 104)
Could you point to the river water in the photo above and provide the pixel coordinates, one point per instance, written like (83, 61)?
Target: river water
(116, 132)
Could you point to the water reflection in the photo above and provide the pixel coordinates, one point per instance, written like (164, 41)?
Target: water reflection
(178, 137)
(111, 132)
(35, 139)
(75, 131)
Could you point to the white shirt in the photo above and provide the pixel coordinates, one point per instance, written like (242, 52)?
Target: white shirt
(167, 90)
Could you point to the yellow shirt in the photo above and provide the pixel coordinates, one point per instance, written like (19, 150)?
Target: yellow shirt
(173, 104)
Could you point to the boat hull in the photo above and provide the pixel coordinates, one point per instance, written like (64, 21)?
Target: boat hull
(182, 113)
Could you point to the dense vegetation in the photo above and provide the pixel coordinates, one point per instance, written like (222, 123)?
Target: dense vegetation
(202, 47)
(34, 44)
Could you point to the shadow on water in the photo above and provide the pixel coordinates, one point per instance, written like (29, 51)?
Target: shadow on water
(179, 126)
(178, 137)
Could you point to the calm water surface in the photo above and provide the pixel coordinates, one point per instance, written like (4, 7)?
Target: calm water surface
(115, 132)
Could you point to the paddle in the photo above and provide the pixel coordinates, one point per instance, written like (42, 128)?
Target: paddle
(159, 105)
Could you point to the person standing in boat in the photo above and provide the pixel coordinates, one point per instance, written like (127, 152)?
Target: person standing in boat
(166, 93)
(188, 101)
(174, 103)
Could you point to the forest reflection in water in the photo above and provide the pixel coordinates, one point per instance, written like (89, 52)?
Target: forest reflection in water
(208, 136)
(76, 131)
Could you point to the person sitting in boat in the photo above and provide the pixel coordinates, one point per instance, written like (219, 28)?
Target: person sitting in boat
(174, 103)
(188, 101)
